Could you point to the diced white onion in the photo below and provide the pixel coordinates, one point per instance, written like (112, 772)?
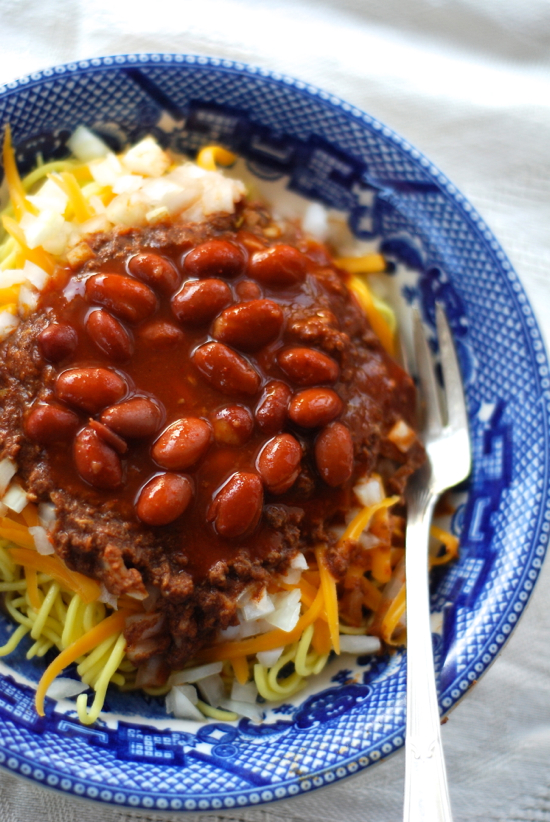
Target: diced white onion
(244, 693)
(359, 644)
(299, 561)
(15, 498)
(41, 540)
(128, 209)
(27, 301)
(46, 514)
(35, 275)
(242, 708)
(50, 196)
(292, 576)
(194, 674)
(315, 221)
(97, 204)
(85, 145)
(48, 230)
(127, 183)
(369, 491)
(108, 598)
(157, 215)
(64, 688)
(146, 158)
(369, 541)
(12, 276)
(402, 435)
(287, 610)
(269, 658)
(298, 564)
(246, 629)
(107, 170)
(257, 608)
(8, 469)
(181, 702)
(8, 324)
(212, 689)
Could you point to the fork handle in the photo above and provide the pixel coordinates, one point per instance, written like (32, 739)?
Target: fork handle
(426, 792)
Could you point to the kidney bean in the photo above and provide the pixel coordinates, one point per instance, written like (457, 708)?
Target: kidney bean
(109, 335)
(90, 388)
(249, 326)
(182, 444)
(136, 417)
(156, 271)
(232, 425)
(279, 463)
(225, 369)
(315, 407)
(215, 258)
(57, 341)
(163, 499)
(334, 454)
(307, 366)
(50, 423)
(96, 462)
(200, 300)
(161, 334)
(237, 506)
(278, 267)
(271, 411)
(128, 299)
(108, 436)
(248, 290)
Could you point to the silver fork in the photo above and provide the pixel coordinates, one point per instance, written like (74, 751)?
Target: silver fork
(447, 444)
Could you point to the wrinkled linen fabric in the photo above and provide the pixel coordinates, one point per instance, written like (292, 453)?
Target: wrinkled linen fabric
(468, 83)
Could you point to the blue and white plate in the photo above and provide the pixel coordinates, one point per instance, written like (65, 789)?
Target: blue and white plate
(326, 150)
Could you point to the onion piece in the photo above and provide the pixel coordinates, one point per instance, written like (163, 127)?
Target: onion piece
(35, 275)
(15, 498)
(242, 708)
(181, 701)
(352, 644)
(8, 469)
(8, 324)
(85, 145)
(194, 674)
(63, 687)
(256, 608)
(107, 170)
(315, 221)
(244, 693)
(49, 196)
(146, 158)
(48, 229)
(27, 301)
(212, 689)
(402, 436)
(287, 610)
(41, 540)
(269, 658)
(106, 597)
(46, 514)
(12, 276)
(369, 491)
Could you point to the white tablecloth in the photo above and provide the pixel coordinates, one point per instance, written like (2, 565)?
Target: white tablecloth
(467, 82)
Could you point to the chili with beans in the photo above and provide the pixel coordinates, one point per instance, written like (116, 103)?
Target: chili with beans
(210, 395)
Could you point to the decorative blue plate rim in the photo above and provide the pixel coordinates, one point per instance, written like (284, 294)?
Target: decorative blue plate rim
(493, 435)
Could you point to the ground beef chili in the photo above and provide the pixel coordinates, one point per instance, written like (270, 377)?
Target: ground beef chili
(198, 402)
